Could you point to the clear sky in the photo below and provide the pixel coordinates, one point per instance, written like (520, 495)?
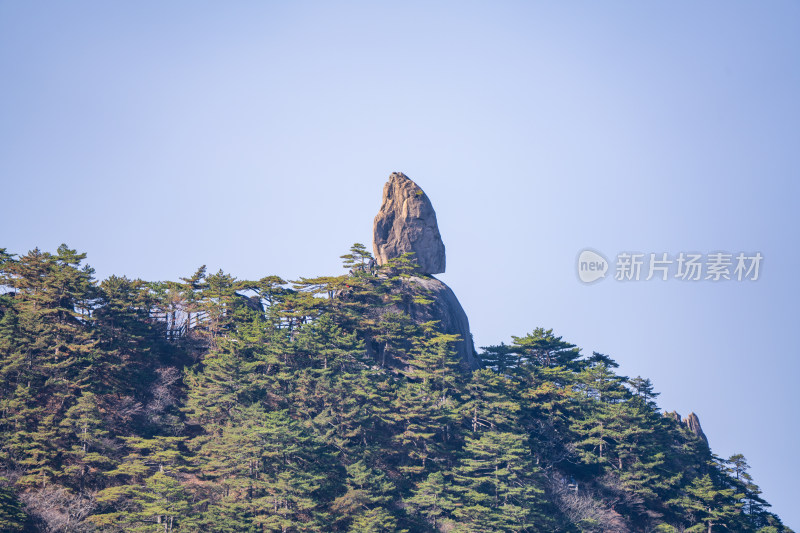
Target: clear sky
(256, 137)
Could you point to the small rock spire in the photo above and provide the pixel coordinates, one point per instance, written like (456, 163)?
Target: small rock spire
(693, 423)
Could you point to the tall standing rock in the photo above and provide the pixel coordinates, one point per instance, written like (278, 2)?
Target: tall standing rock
(406, 223)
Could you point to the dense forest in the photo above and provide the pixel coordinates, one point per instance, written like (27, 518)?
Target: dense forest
(212, 404)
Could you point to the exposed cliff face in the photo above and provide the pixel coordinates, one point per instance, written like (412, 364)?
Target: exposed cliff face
(693, 423)
(407, 223)
(447, 310)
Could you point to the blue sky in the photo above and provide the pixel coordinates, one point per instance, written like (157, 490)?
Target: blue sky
(256, 137)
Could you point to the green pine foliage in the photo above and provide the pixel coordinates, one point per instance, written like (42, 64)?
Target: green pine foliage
(212, 404)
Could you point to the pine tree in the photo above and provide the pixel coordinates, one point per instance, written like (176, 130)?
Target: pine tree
(543, 348)
(432, 499)
(12, 515)
(501, 358)
(754, 506)
(488, 404)
(88, 454)
(293, 473)
(707, 504)
(643, 389)
(328, 347)
(418, 423)
(150, 495)
(363, 504)
(497, 485)
(358, 259)
(608, 421)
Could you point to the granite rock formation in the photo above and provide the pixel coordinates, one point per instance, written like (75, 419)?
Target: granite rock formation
(447, 310)
(406, 223)
(693, 423)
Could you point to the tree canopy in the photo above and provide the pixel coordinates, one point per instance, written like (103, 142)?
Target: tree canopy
(217, 404)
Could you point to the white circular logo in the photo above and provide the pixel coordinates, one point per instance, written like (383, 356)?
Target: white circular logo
(591, 266)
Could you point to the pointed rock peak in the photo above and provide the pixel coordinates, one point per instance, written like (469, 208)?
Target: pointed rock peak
(693, 423)
(407, 223)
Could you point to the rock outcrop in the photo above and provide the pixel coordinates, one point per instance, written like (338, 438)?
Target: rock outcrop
(406, 223)
(693, 423)
(447, 310)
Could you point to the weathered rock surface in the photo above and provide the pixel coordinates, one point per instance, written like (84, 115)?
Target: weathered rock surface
(693, 422)
(406, 223)
(447, 310)
(440, 305)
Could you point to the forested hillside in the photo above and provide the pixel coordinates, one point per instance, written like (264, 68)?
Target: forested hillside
(212, 404)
